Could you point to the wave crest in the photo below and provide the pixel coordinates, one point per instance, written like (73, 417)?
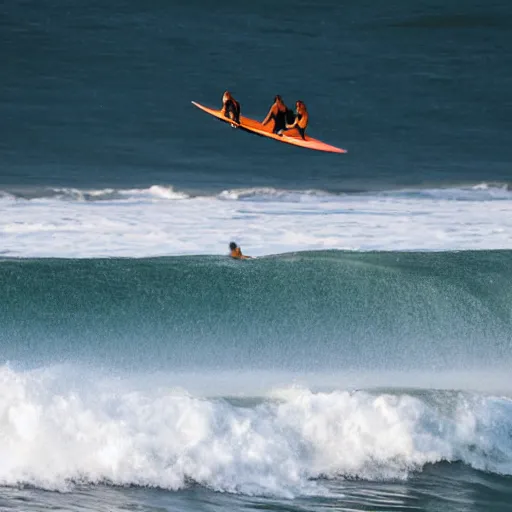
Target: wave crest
(476, 192)
(52, 437)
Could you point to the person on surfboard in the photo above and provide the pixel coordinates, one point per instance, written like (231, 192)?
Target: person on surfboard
(236, 252)
(280, 114)
(301, 119)
(230, 107)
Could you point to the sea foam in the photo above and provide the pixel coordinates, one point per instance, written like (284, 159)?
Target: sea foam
(162, 221)
(55, 433)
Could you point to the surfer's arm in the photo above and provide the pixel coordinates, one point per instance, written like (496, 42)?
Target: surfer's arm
(304, 121)
(269, 115)
(293, 125)
(237, 254)
(241, 257)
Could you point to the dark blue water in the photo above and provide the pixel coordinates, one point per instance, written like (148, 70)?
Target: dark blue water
(99, 94)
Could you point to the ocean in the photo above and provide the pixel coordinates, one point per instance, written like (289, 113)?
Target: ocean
(359, 362)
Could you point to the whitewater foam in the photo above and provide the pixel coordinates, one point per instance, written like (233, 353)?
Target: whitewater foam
(162, 221)
(55, 433)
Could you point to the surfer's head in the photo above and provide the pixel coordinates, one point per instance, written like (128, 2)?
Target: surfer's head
(300, 106)
(278, 99)
(232, 246)
(226, 97)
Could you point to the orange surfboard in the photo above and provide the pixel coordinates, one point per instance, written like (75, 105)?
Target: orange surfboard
(289, 137)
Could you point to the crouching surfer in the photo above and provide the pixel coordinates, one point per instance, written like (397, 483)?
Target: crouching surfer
(230, 107)
(280, 114)
(301, 119)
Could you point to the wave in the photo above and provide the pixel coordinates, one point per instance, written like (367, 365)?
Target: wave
(300, 311)
(106, 194)
(475, 192)
(471, 192)
(57, 431)
(160, 221)
(278, 195)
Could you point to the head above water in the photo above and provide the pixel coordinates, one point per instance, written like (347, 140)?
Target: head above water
(227, 96)
(232, 246)
(278, 99)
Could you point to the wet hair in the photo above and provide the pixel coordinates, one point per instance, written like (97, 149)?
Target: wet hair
(277, 97)
(232, 246)
(300, 103)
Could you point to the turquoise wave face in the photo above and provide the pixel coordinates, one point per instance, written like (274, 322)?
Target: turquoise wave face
(301, 311)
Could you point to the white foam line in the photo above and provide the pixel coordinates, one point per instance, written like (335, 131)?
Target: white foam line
(142, 225)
